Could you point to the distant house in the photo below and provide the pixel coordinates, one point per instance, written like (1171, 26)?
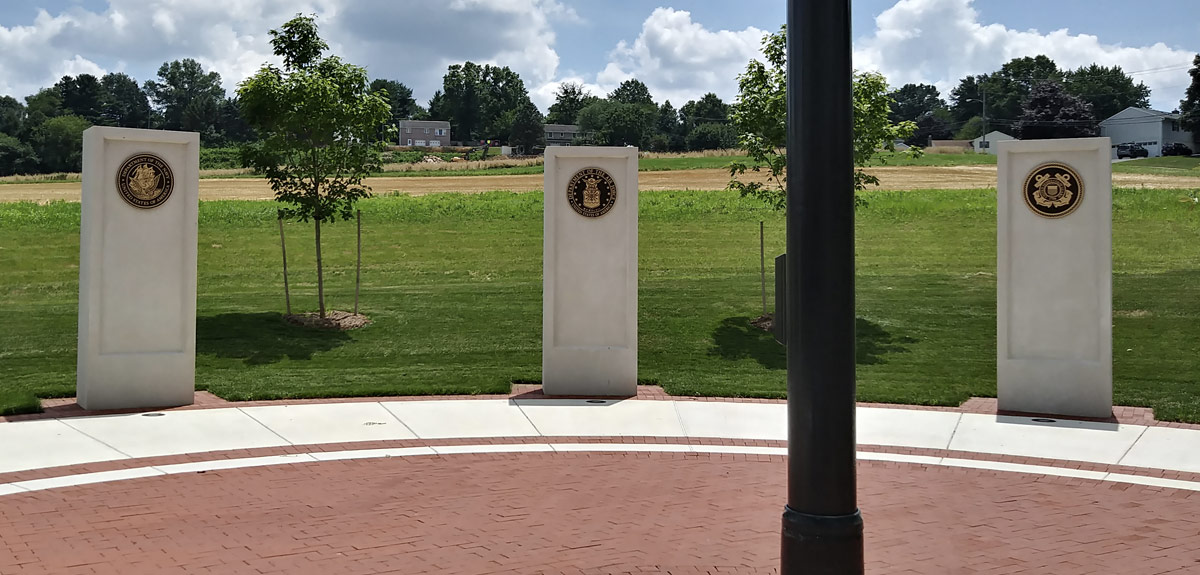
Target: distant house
(424, 133)
(987, 144)
(1150, 128)
(561, 134)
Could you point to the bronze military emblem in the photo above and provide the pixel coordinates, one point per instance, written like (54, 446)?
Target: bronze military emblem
(145, 181)
(592, 192)
(1053, 190)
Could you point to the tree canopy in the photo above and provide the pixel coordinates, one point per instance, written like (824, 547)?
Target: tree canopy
(188, 98)
(1108, 89)
(528, 131)
(632, 91)
(400, 99)
(1189, 107)
(914, 101)
(760, 114)
(480, 102)
(1051, 112)
(569, 99)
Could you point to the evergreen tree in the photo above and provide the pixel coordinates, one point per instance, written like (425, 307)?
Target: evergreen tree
(1189, 107)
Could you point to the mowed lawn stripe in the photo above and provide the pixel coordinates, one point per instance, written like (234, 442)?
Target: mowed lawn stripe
(453, 284)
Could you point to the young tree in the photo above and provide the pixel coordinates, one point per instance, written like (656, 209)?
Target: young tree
(1108, 90)
(760, 115)
(1050, 112)
(316, 118)
(528, 131)
(569, 99)
(1189, 107)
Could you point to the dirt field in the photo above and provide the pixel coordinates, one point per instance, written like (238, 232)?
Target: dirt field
(898, 178)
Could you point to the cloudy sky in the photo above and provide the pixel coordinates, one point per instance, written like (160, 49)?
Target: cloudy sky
(679, 50)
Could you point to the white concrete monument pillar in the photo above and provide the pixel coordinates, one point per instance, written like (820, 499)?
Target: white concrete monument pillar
(590, 272)
(137, 268)
(1054, 277)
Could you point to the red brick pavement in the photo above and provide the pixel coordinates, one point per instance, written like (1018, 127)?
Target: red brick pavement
(584, 513)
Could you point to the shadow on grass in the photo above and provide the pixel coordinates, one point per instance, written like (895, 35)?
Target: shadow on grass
(737, 339)
(262, 338)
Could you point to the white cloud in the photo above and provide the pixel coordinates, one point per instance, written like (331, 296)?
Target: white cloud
(394, 40)
(942, 41)
(679, 59)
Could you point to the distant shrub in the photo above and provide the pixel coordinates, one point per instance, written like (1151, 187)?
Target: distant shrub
(220, 158)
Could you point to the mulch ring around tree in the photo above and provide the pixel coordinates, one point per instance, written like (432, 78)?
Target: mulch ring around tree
(333, 320)
(764, 322)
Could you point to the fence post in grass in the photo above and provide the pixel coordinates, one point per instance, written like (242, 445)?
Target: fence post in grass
(358, 264)
(287, 296)
(762, 264)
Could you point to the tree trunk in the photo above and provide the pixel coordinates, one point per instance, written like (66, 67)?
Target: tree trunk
(287, 295)
(358, 264)
(320, 272)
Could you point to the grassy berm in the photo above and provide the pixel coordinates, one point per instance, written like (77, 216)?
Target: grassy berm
(453, 284)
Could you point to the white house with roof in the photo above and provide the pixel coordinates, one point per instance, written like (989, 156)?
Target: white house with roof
(1151, 129)
(987, 144)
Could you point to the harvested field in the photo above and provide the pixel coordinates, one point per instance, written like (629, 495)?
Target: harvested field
(893, 178)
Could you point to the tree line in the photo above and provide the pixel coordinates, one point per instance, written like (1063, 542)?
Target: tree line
(1027, 97)
(1030, 98)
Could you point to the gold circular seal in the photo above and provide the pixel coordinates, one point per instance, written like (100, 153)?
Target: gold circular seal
(1053, 190)
(145, 181)
(592, 192)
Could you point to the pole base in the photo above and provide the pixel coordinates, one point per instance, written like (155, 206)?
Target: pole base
(822, 544)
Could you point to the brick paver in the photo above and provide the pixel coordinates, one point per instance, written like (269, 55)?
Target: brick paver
(584, 513)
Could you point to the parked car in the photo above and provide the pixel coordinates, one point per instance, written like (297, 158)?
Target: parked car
(1176, 149)
(1131, 151)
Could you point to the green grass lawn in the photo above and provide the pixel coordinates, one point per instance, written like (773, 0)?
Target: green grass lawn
(453, 284)
(1172, 166)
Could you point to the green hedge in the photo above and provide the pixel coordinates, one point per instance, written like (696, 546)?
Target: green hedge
(220, 158)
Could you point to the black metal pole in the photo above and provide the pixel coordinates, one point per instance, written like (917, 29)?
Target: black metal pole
(822, 527)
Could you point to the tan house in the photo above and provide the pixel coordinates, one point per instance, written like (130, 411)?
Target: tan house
(424, 133)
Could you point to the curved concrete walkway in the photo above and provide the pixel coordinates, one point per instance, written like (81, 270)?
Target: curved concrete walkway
(577, 487)
(47, 454)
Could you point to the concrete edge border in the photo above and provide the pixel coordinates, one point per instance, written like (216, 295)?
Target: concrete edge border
(58, 482)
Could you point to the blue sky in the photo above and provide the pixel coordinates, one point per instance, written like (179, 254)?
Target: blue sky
(681, 50)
